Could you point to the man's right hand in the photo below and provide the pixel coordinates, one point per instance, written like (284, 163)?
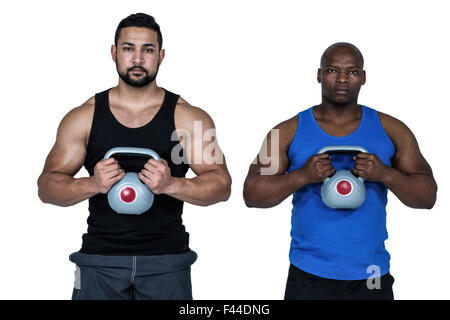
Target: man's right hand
(317, 168)
(106, 173)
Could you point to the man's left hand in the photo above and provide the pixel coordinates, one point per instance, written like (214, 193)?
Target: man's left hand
(369, 167)
(156, 175)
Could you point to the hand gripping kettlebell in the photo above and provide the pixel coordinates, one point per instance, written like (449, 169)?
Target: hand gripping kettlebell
(343, 190)
(129, 195)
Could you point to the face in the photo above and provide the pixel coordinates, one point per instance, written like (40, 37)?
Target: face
(341, 76)
(137, 56)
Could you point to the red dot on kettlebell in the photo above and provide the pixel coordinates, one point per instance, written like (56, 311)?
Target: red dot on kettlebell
(128, 194)
(344, 187)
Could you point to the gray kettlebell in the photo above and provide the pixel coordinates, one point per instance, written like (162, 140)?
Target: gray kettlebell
(130, 195)
(343, 190)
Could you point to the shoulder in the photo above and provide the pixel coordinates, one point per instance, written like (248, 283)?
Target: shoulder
(78, 121)
(82, 112)
(396, 130)
(186, 115)
(282, 135)
(289, 125)
(287, 130)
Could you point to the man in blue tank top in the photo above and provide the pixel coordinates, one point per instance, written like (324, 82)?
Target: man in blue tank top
(339, 253)
(146, 255)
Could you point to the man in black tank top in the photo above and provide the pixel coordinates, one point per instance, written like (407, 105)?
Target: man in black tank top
(129, 256)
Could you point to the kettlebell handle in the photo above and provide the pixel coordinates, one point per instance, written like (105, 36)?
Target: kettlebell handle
(342, 149)
(359, 178)
(132, 150)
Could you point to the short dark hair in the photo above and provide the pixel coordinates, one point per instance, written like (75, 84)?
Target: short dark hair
(139, 20)
(341, 44)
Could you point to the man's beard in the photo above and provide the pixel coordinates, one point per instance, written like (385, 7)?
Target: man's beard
(142, 81)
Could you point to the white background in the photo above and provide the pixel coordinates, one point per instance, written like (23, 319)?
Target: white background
(250, 65)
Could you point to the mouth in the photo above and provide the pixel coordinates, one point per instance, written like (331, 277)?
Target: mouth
(341, 91)
(137, 70)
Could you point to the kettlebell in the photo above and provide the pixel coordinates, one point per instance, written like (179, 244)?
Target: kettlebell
(130, 195)
(343, 190)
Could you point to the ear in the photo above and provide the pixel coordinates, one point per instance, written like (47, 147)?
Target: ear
(319, 75)
(162, 54)
(363, 77)
(114, 52)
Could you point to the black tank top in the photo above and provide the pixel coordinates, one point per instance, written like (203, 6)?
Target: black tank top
(160, 229)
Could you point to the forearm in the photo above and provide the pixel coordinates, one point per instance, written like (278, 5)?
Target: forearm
(203, 190)
(63, 190)
(414, 190)
(265, 191)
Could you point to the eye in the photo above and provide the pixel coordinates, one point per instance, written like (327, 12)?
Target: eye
(330, 70)
(149, 50)
(127, 49)
(354, 72)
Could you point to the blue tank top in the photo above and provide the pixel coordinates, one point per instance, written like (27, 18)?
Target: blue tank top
(335, 243)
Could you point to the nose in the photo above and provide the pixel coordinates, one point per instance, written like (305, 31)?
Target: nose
(342, 77)
(137, 57)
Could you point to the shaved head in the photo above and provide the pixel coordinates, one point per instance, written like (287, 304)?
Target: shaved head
(341, 74)
(341, 46)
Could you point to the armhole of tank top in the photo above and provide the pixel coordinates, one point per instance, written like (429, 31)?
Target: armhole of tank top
(91, 132)
(174, 132)
(297, 133)
(384, 133)
(173, 119)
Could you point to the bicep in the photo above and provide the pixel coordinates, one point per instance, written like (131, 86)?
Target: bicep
(408, 158)
(273, 158)
(69, 151)
(198, 138)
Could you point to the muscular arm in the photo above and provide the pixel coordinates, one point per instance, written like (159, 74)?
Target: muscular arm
(212, 182)
(267, 183)
(56, 184)
(410, 178)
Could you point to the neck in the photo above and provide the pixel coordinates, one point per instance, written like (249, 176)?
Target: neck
(334, 110)
(137, 95)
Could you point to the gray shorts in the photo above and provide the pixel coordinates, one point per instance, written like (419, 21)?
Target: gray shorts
(158, 277)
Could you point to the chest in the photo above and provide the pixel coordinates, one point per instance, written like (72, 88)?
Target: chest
(339, 129)
(134, 119)
(313, 134)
